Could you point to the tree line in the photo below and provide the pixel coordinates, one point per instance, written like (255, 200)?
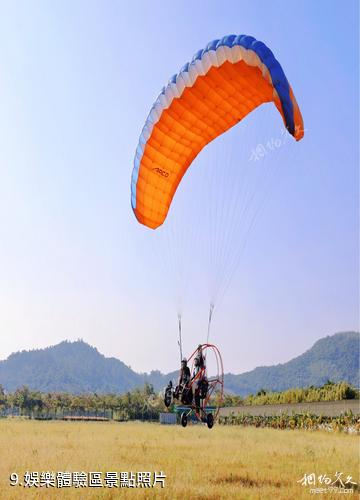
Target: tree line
(330, 391)
(144, 404)
(138, 404)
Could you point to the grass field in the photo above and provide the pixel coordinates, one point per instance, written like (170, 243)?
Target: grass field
(226, 462)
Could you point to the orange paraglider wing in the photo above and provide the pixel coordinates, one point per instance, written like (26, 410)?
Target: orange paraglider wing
(220, 86)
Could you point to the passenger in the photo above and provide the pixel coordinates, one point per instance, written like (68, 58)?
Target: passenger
(198, 376)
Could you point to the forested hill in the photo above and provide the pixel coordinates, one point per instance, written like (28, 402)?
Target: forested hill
(76, 367)
(334, 358)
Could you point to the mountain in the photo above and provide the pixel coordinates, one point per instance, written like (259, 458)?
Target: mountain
(77, 367)
(334, 358)
(69, 367)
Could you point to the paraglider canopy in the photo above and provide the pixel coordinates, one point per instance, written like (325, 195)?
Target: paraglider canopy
(221, 85)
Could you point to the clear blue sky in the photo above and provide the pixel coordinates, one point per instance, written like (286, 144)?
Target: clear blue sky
(77, 81)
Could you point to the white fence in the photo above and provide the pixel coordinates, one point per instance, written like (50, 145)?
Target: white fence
(326, 408)
(167, 418)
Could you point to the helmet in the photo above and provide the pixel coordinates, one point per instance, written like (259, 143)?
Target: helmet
(184, 360)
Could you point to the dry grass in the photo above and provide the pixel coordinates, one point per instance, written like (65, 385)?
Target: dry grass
(226, 462)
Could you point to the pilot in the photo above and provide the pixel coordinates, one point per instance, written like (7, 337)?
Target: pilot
(183, 390)
(184, 377)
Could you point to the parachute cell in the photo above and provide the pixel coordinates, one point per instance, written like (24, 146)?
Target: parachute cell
(220, 86)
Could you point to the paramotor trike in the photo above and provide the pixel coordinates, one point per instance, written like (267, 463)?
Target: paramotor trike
(202, 396)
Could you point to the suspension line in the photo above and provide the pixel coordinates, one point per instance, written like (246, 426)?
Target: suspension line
(180, 340)
(209, 322)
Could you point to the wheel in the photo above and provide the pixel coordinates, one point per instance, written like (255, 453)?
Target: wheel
(187, 396)
(184, 419)
(167, 400)
(168, 395)
(210, 420)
